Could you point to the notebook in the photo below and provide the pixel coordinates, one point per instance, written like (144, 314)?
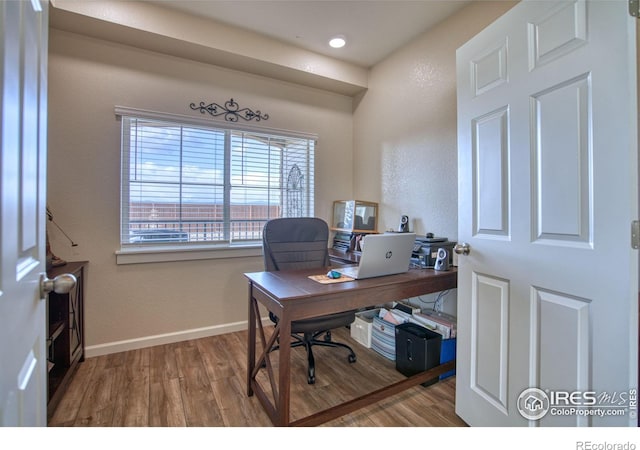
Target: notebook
(382, 254)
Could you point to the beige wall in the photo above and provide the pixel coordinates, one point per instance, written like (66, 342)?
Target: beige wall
(395, 144)
(405, 147)
(87, 78)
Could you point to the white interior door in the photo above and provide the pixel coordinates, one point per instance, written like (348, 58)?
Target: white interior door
(23, 96)
(548, 188)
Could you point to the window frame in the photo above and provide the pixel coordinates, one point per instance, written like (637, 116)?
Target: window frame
(163, 252)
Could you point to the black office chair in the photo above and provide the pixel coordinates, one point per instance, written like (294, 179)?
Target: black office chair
(302, 243)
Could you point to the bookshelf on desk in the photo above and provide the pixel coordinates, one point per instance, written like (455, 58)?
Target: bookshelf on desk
(65, 332)
(352, 220)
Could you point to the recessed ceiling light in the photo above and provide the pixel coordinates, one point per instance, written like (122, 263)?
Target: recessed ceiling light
(337, 42)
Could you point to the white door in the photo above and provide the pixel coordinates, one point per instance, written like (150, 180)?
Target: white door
(548, 173)
(23, 136)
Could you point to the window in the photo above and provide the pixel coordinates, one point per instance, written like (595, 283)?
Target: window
(196, 183)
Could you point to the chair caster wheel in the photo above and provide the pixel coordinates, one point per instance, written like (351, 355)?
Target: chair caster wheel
(352, 358)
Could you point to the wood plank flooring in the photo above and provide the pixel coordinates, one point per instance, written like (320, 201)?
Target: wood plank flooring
(202, 383)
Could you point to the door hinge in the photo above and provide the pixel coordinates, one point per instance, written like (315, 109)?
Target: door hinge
(635, 234)
(634, 8)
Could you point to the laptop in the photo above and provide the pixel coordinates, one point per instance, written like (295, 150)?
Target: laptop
(382, 254)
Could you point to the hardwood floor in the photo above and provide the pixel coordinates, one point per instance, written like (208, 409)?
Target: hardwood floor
(202, 383)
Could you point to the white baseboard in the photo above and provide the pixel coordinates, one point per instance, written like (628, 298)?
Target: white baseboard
(168, 338)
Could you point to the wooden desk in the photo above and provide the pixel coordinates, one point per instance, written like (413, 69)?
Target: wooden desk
(291, 295)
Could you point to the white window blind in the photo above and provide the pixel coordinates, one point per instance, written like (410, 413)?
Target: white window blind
(185, 183)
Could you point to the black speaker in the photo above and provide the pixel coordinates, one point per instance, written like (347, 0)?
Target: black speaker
(442, 260)
(417, 349)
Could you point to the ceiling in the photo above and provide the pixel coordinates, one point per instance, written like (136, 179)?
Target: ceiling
(373, 28)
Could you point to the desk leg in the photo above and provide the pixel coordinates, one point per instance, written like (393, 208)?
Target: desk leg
(251, 345)
(284, 371)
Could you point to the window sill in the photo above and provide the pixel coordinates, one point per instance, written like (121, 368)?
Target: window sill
(141, 255)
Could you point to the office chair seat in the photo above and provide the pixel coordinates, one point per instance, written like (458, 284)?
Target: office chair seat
(297, 243)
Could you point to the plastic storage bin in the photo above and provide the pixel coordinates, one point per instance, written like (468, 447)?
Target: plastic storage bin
(383, 338)
(417, 349)
(362, 327)
(448, 353)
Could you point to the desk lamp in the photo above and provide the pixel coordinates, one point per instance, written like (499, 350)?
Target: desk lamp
(53, 260)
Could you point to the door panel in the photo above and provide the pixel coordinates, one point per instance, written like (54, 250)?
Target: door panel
(489, 70)
(562, 29)
(30, 382)
(561, 348)
(23, 50)
(29, 156)
(491, 174)
(548, 187)
(490, 328)
(562, 183)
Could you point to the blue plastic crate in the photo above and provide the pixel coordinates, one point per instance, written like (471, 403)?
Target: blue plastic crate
(447, 353)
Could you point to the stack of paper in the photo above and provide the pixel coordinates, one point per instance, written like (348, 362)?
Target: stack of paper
(439, 322)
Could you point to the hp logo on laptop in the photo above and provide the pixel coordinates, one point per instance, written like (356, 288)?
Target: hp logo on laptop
(388, 255)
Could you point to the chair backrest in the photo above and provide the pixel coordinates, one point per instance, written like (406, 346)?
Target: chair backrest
(295, 243)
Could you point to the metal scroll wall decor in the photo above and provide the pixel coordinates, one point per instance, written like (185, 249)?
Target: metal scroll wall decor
(231, 111)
